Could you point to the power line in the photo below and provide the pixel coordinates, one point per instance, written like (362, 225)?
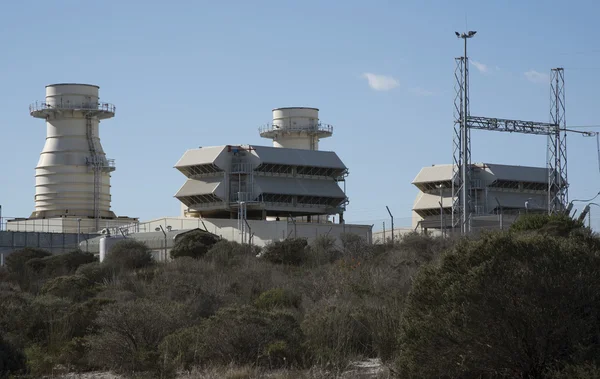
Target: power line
(583, 126)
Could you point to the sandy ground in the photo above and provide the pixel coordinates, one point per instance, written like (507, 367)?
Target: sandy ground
(367, 369)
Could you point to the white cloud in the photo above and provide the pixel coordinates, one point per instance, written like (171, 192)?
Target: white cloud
(537, 77)
(480, 66)
(422, 92)
(380, 82)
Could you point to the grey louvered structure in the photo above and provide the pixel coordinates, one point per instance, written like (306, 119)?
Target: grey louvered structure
(270, 181)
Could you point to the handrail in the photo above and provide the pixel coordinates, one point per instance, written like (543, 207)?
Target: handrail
(320, 127)
(39, 106)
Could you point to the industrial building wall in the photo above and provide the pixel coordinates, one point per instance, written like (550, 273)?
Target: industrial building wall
(263, 231)
(382, 236)
(56, 243)
(62, 225)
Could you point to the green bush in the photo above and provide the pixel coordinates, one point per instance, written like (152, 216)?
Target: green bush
(74, 287)
(95, 272)
(278, 298)
(193, 244)
(227, 254)
(39, 361)
(355, 246)
(323, 250)
(337, 330)
(12, 361)
(557, 224)
(184, 348)
(19, 272)
(128, 254)
(74, 356)
(60, 264)
(83, 315)
(580, 371)
(505, 305)
(16, 262)
(247, 335)
(128, 334)
(48, 322)
(291, 251)
(14, 310)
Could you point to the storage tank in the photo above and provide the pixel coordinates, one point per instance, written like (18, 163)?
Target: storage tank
(296, 128)
(73, 173)
(106, 243)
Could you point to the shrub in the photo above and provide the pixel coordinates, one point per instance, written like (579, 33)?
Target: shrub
(14, 309)
(323, 250)
(83, 315)
(48, 322)
(60, 264)
(20, 272)
(504, 305)
(291, 251)
(12, 361)
(193, 244)
(39, 361)
(75, 355)
(580, 371)
(227, 254)
(129, 334)
(557, 224)
(337, 330)
(94, 272)
(74, 287)
(128, 254)
(278, 298)
(416, 248)
(183, 349)
(16, 262)
(247, 335)
(355, 246)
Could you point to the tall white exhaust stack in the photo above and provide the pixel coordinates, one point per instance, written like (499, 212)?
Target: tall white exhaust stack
(296, 128)
(73, 175)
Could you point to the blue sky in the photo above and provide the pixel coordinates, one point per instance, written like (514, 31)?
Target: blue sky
(184, 74)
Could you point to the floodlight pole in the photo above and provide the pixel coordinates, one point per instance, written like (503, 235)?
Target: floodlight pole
(501, 214)
(441, 202)
(165, 234)
(78, 231)
(464, 136)
(392, 217)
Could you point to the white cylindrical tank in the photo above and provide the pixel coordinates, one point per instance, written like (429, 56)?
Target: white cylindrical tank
(106, 243)
(65, 184)
(296, 128)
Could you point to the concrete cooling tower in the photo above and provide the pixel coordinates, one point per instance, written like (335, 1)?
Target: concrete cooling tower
(72, 177)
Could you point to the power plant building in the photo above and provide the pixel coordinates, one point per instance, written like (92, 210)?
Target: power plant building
(499, 193)
(292, 179)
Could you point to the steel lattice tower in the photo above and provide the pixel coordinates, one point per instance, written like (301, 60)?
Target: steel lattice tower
(556, 132)
(461, 194)
(558, 191)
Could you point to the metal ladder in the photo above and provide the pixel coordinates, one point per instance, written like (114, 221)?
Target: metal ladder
(95, 163)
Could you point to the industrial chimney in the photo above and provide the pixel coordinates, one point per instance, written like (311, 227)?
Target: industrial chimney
(296, 128)
(73, 175)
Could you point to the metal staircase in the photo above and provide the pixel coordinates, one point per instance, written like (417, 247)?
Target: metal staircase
(98, 164)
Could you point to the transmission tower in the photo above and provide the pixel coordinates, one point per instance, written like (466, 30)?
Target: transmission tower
(556, 132)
